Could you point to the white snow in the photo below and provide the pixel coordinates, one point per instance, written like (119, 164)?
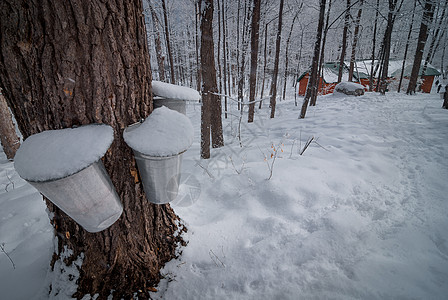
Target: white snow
(54, 154)
(348, 86)
(165, 132)
(171, 91)
(360, 215)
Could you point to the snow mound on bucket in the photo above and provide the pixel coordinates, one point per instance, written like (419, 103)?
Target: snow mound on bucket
(172, 91)
(164, 133)
(55, 154)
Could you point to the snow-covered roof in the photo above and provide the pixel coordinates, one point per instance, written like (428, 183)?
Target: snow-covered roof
(55, 154)
(172, 91)
(165, 132)
(394, 69)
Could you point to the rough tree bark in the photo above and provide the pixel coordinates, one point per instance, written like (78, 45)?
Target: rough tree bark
(277, 55)
(8, 136)
(428, 14)
(80, 62)
(313, 82)
(254, 57)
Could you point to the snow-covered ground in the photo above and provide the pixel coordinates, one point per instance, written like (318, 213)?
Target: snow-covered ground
(362, 214)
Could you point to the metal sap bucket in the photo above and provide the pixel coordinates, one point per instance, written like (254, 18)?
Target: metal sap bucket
(174, 104)
(160, 176)
(88, 197)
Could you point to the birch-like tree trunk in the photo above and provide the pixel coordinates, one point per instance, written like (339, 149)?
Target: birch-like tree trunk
(344, 41)
(355, 42)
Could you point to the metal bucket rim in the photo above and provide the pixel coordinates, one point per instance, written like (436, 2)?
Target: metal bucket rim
(53, 180)
(151, 157)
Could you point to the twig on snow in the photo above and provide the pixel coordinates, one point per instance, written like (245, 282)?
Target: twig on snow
(2, 246)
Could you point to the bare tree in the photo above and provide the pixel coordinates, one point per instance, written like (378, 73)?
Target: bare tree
(288, 40)
(277, 56)
(211, 103)
(355, 42)
(406, 48)
(168, 43)
(313, 82)
(394, 8)
(428, 14)
(344, 41)
(254, 41)
(53, 81)
(158, 43)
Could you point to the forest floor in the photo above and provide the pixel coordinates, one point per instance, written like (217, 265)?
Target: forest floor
(362, 214)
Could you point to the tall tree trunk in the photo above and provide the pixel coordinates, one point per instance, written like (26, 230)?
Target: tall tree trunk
(406, 48)
(224, 50)
(313, 82)
(344, 41)
(264, 62)
(218, 56)
(320, 73)
(371, 77)
(428, 14)
(387, 40)
(158, 43)
(288, 40)
(58, 72)
(255, 26)
(245, 43)
(434, 38)
(8, 136)
(211, 104)
(197, 11)
(168, 43)
(355, 42)
(277, 56)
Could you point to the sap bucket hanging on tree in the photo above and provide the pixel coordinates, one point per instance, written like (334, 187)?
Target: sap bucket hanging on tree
(65, 166)
(158, 144)
(173, 96)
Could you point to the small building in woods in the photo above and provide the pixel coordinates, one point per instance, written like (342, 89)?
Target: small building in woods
(328, 81)
(361, 75)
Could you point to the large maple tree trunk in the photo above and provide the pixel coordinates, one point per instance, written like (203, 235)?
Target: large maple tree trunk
(66, 63)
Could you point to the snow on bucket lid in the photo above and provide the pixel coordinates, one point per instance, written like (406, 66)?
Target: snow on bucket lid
(171, 91)
(55, 154)
(165, 132)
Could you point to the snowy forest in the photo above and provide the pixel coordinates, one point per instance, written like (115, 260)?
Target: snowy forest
(223, 149)
(351, 30)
